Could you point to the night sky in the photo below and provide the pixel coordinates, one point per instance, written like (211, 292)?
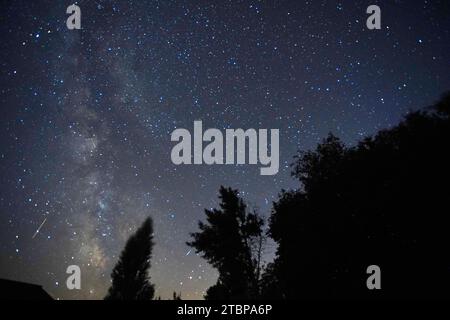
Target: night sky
(86, 116)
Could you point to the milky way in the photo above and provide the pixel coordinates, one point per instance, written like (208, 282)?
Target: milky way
(87, 116)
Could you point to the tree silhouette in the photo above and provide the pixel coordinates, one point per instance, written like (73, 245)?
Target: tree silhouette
(130, 279)
(176, 296)
(381, 202)
(226, 241)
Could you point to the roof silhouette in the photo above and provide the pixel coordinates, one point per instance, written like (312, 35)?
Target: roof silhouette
(15, 290)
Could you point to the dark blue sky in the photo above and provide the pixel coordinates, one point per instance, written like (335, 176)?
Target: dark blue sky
(87, 116)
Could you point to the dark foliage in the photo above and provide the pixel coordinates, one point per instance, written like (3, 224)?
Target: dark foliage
(226, 241)
(383, 202)
(130, 279)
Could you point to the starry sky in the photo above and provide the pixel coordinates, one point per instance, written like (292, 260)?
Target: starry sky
(86, 116)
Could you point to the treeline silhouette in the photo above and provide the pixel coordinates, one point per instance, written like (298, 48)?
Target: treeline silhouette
(382, 202)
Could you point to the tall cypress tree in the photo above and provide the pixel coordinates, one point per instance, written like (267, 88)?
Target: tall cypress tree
(130, 279)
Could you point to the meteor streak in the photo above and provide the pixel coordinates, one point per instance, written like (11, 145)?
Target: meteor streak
(37, 231)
